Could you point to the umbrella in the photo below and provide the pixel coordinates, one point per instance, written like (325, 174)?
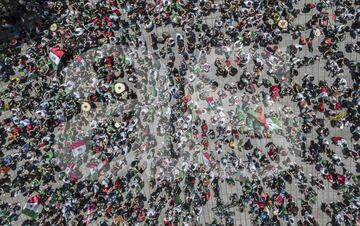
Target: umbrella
(119, 88)
(283, 24)
(53, 27)
(85, 106)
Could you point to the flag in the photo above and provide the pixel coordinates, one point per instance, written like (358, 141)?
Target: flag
(167, 222)
(56, 54)
(78, 148)
(73, 178)
(172, 203)
(91, 208)
(329, 177)
(142, 216)
(271, 152)
(103, 163)
(207, 158)
(95, 168)
(261, 205)
(259, 116)
(117, 12)
(273, 123)
(207, 195)
(228, 63)
(92, 167)
(275, 89)
(339, 141)
(4, 169)
(186, 98)
(33, 207)
(270, 123)
(324, 92)
(341, 179)
(177, 199)
(210, 101)
(226, 49)
(280, 198)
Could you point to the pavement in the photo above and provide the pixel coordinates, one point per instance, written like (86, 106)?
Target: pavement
(326, 195)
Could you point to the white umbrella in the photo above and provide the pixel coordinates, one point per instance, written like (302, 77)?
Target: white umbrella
(119, 88)
(85, 106)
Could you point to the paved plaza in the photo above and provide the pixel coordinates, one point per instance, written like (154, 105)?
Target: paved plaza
(160, 129)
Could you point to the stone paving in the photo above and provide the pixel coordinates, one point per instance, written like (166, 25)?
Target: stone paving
(226, 190)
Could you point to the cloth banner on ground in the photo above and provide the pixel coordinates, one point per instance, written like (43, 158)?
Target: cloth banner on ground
(56, 54)
(33, 207)
(78, 148)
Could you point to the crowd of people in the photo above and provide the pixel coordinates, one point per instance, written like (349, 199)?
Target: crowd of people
(145, 113)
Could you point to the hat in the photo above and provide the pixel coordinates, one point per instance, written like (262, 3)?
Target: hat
(53, 27)
(85, 106)
(119, 88)
(283, 24)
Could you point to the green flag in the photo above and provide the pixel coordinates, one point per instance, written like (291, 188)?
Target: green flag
(177, 199)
